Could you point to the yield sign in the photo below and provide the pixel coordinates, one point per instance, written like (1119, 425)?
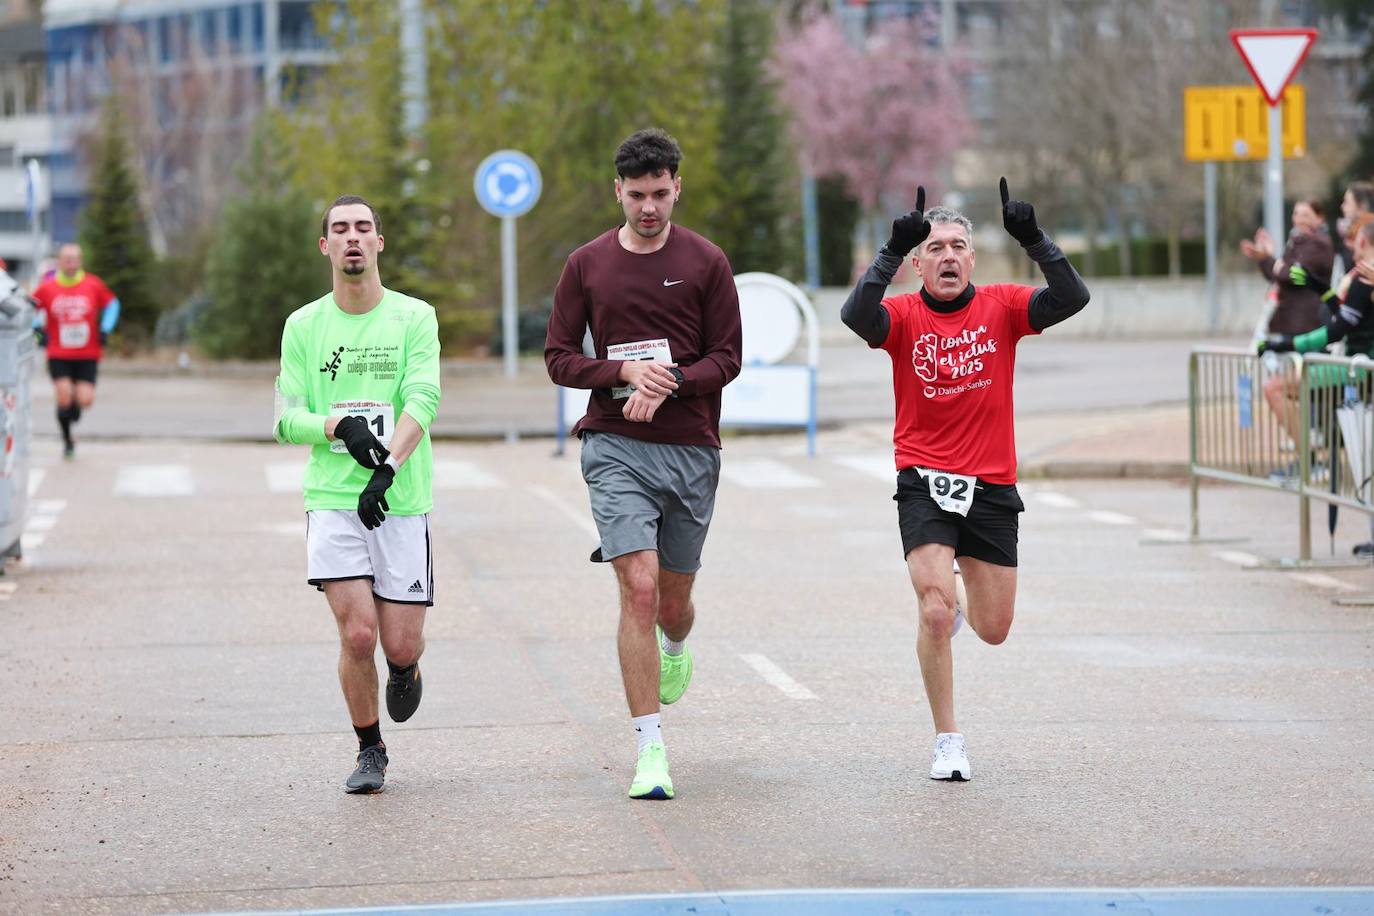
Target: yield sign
(1273, 56)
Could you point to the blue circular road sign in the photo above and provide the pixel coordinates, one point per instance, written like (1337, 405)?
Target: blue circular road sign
(507, 183)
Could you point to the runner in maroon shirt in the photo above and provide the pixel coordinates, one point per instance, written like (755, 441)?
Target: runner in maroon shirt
(953, 350)
(661, 305)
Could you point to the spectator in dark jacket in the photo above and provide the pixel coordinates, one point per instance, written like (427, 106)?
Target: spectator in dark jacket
(1309, 249)
(1357, 211)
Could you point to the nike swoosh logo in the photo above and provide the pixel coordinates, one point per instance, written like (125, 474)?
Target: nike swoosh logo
(673, 282)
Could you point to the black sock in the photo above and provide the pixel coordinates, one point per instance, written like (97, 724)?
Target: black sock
(369, 735)
(404, 672)
(64, 420)
(75, 410)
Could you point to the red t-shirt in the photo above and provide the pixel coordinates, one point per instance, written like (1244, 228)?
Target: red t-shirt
(73, 315)
(952, 378)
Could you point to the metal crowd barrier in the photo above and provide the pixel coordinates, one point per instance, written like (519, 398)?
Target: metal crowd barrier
(1324, 450)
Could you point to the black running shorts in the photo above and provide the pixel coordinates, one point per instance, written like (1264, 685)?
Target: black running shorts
(78, 370)
(987, 533)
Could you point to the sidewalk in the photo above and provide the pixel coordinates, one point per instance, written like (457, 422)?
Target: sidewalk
(1084, 408)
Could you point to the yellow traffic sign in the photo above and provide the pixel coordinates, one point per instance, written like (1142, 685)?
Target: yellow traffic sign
(1231, 123)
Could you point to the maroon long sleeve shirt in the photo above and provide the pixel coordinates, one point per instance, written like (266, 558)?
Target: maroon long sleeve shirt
(684, 293)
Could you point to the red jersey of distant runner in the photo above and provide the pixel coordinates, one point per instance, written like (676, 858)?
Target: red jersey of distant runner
(73, 315)
(952, 380)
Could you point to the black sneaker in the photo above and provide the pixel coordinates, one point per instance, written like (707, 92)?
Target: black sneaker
(371, 771)
(1364, 550)
(403, 690)
(69, 451)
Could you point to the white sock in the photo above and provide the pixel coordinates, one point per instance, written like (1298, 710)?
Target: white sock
(672, 646)
(648, 729)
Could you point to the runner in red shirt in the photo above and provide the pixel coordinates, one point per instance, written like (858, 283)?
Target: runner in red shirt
(76, 312)
(953, 350)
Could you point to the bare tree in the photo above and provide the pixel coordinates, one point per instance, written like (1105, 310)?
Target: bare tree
(1099, 109)
(188, 123)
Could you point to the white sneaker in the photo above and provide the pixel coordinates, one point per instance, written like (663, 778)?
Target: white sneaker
(960, 601)
(950, 760)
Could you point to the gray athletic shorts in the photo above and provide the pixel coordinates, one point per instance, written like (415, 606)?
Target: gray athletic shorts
(650, 496)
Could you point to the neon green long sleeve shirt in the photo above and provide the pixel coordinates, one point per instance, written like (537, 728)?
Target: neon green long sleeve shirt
(377, 366)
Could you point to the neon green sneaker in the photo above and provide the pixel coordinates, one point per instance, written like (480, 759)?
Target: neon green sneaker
(674, 672)
(651, 774)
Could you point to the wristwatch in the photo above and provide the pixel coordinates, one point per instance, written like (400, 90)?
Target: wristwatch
(677, 377)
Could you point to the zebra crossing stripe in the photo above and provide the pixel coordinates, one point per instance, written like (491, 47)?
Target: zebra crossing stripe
(456, 474)
(285, 476)
(766, 474)
(153, 480)
(879, 465)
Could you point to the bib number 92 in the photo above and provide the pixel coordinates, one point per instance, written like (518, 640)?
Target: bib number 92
(951, 492)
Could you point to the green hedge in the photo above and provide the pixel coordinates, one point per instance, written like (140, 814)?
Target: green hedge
(1149, 258)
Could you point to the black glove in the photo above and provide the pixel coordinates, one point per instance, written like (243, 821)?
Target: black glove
(1276, 343)
(1018, 218)
(910, 230)
(372, 507)
(362, 445)
(103, 337)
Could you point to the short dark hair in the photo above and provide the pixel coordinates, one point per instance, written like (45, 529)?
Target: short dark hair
(1363, 192)
(344, 200)
(1316, 206)
(651, 151)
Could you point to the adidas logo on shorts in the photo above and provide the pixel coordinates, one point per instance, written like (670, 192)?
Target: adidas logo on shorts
(416, 589)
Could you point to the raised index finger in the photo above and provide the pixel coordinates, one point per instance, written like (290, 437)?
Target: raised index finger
(920, 198)
(1005, 196)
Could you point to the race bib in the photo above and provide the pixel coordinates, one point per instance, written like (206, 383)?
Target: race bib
(951, 492)
(380, 419)
(656, 350)
(73, 336)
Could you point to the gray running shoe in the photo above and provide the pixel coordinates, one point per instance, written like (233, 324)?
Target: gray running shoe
(371, 771)
(403, 690)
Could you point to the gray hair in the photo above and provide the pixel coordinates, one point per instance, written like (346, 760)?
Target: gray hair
(937, 215)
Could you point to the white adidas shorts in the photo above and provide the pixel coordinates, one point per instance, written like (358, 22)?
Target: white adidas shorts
(395, 555)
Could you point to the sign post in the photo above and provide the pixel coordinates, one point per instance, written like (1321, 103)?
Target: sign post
(1273, 57)
(507, 184)
(1229, 124)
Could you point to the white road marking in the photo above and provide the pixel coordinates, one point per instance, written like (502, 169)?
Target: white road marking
(578, 518)
(285, 476)
(41, 520)
(286, 529)
(776, 676)
(1110, 518)
(1057, 500)
(36, 476)
(1166, 534)
(880, 465)
(1238, 557)
(766, 474)
(154, 480)
(1322, 580)
(453, 474)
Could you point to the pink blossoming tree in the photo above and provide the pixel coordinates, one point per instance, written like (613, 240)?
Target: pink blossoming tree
(883, 115)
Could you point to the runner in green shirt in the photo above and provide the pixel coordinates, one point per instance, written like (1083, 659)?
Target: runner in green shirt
(360, 384)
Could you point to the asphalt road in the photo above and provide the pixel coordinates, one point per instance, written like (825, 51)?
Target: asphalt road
(175, 739)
